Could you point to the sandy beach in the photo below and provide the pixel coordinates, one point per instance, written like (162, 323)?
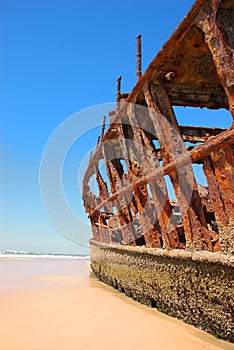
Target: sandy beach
(56, 304)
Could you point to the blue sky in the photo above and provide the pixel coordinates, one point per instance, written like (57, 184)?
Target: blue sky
(59, 57)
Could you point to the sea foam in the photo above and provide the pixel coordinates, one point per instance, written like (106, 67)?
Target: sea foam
(13, 254)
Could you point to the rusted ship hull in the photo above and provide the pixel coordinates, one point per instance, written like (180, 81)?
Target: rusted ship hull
(193, 287)
(175, 254)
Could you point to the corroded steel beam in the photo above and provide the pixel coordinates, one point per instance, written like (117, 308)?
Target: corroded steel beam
(103, 126)
(103, 193)
(195, 81)
(196, 134)
(118, 90)
(218, 32)
(193, 216)
(115, 175)
(200, 152)
(139, 73)
(162, 205)
(218, 168)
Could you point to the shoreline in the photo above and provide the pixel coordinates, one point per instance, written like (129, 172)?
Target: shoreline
(72, 309)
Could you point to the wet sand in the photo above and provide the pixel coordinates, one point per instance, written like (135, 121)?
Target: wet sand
(56, 305)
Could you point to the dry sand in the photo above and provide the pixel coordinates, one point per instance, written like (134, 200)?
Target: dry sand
(71, 310)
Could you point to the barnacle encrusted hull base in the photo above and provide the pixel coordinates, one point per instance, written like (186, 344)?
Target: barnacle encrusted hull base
(197, 288)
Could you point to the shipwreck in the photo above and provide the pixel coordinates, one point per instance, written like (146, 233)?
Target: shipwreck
(176, 254)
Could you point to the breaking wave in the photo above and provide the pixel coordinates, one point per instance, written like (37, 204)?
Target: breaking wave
(13, 254)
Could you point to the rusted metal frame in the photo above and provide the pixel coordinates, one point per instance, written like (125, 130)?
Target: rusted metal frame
(139, 73)
(135, 166)
(158, 188)
(90, 156)
(162, 105)
(128, 204)
(194, 139)
(157, 235)
(175, 39)
(161, 191)
(213, 144)
(91, 201)
(89, 204)
(113, 175)
(125, 215)
(193, 216)
(161, 200)
(219, 48)
(95, 217)
(95, 157)
(223, 161)
(218, 168)
(135, 169)
(129, 162)
(118, 92)
(135, 204)
(103, 126)
(144, 210)
(103, 190)
(196, 134)
(102, 132)
(215, 199)
(189, 201)
(94, 201)
(161, 129)
(214, 192)
(103, 193)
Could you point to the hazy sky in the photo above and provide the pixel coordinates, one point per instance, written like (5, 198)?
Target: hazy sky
(59, 57)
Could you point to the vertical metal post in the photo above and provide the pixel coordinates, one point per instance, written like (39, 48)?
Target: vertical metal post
(139, 73)
(118, 92)
(103, 126)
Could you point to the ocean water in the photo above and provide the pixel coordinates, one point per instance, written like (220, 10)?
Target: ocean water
(13, 254)
(24, 270)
